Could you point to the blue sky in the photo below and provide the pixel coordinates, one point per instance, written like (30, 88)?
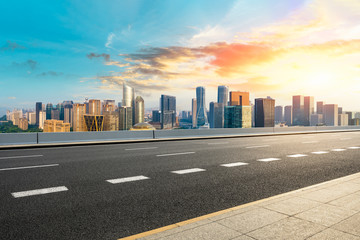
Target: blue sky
(68, 50)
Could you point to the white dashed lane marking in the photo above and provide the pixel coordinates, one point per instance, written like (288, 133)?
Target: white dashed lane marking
(29, 167)
(39, 192)
(29, 156)
(191, 170)
(297, 155)
(236, 164)
(320, 152)
(260, 146)
(174, 154)
(127, 179)
(269, 159)
(353, 147)
(310, 142)
(338, 150)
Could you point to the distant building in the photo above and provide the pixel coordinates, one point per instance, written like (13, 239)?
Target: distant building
(350, 117)
(216, 116)
(343, 119)
(288, 115)
(49, 108)
(320, 107)
(125, 118)
(237, 116)
(23, 124)
(264, 112)
(223, 95)
(42, 118)
(55, 114)
(279, 116)
(68, 108)
(316, 119)
(239, 98)
(156, 116)
(94, 123)
(111, 120)
(355, 121)
(340, 110)
(331, 114)
(308, 109)
(193, 112)
(56, 126)
(94, 107)
(298, 110)
(32, 118)
(139, 110)
(109, 106)
(38, 107)
(60, 108)
(201, 116)
(79, 110)
(168, 111)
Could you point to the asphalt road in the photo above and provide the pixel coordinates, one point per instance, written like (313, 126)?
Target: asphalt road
(113, 191)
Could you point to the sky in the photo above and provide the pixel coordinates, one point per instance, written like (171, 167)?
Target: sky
(51, 51)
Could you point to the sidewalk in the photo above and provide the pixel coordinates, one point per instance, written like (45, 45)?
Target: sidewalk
(329, 210)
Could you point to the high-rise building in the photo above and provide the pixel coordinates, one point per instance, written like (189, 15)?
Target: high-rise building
(128, 96)
(308, 109)
(94, 107)
(316, 119)
(193, 112)
(125, 118)
(216, 116)
(109, 106)
(68, 106)
(60, 108)
(94, 123)
(279, 116)
(239, 98)
(23, 124)
(156, 116)
(111, 120)
(49, 107)
(320, 107)
(139, 110)
(79, 110)
(288, 115)
(55, 114)
(168, 111)
(264, 112)
(343, 119)
(38, 107)
(56, 126)
(298, 110)
(42, 118)
(201, 116)
(331, 114)
(350, 117)
(32, 118)
(237, 116)
(223, 95)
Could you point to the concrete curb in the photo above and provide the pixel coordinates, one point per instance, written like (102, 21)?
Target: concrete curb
(124, 141)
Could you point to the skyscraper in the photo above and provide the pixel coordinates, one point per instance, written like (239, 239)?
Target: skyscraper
(139, 110)
(38, 107)
(156, 116)
(49, 107)
(320, 107)
(237, 116)
(111, 120)
(68, 106)
(94, 107)
(168, 111)
(128, 96)
(298, 110)
(201, 117)
(279, 116)
(331, 114)
(239, 98)
(216, 116)
(125, 118)
(308, 109)
(79, 110)
(223, 95)
(264, 112)
(193, 112)
(94, 123)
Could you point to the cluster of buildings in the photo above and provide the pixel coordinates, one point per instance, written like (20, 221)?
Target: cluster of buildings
(233, 109)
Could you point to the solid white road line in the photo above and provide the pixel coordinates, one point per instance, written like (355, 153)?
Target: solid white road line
(234, 164)
(260, 146)
(29, 156)
(353, 148)
(320, 152)
(297, 155)
(174, 154)
(310, 142)
(143, 148)
(127, 179)
(191, 170)
(39, 192)
(268, 159)
(27, 167)
(338, 150)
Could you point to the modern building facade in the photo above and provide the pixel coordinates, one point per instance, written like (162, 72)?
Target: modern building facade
(168, 111)
(308, 109)
(49, 108)
(193, 112)
(320, 107)
(343, 119)
(216, 116)
(298, 110)
(139, 110)
(223, 95)
(331, 114)
(94, 107)
(316, 119)
(111, 120)
(94, 123)
(288, 115)
(56, 126)
(201, 116)
(239, 98)
(125, 118)
(79, 110)
(279, 114)
(264, 112)
(38, 109)
(237, 116)
(156, 116)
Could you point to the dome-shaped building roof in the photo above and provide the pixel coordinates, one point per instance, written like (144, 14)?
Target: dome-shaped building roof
(142, 126)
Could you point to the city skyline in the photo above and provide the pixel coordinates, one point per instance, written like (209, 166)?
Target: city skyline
(71, 51)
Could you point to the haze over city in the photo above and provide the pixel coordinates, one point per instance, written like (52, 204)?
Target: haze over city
(72, 50)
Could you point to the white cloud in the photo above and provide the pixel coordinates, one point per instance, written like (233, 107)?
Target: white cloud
(109, 40)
